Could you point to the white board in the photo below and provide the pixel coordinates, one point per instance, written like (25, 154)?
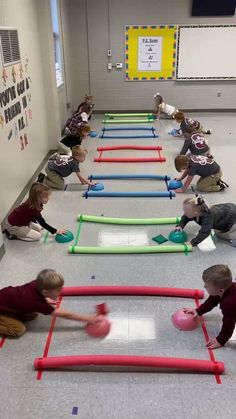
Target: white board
(206, 52)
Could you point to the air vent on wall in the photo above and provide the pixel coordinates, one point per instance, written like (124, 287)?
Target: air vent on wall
(9, 46)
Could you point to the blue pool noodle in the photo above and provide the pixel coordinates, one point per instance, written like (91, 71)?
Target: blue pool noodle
(103, 194)
(111, 177)
(116, 137)
(128, 129)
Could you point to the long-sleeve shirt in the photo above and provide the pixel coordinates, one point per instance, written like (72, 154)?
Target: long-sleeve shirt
(228, 307)
(220, 217)
(189, 125)
(71, 140)
(196, 144)
(24, 215)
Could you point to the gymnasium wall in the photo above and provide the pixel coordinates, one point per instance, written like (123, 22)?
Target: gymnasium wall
(109, 88)
(32, 19)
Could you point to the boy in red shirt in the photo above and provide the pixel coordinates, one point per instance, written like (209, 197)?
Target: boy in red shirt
(22, 303)
(219, 284)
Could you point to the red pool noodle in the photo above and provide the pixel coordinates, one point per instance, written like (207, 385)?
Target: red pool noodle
(132, 290)
(129, 160)
(184, 364)
(129, 147)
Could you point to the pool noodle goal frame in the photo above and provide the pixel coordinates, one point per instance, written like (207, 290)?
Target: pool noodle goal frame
(128, 121)
(140, 363)
(128, 128)
(173, 248)
(101, 159)
(109, 136)
(127, 115)
(149, 194)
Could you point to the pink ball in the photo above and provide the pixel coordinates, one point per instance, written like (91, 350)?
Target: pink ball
(184, 321)
(100, 328)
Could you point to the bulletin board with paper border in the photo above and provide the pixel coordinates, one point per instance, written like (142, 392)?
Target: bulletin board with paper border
(168, 33)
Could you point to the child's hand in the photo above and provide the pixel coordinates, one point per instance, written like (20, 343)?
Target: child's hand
(190, 311)
(213, 344)
(92, 318)
(179, 190)
(62, 231)
(178, 228)
(178, 178)
(51, 302)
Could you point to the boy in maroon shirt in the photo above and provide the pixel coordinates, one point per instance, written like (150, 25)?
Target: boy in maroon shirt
(219, 285)
(22, 303)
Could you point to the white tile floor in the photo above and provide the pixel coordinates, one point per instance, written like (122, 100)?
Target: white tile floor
(140, 325)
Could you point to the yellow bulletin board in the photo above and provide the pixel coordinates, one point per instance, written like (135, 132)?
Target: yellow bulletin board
(150, 52)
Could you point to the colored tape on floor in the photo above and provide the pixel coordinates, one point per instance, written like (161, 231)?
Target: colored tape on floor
(78, 231)
(49, 338)
(207, 338)
(2, 341)
(46, 237)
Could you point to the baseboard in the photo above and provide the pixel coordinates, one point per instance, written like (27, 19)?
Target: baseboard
(2, 251)
(27, 186)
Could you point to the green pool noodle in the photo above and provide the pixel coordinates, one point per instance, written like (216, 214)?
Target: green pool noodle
(128, 121)
(130, 249)
(128, 221)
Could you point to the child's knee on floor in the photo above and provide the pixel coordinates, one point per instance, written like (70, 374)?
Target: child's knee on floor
(14, 329)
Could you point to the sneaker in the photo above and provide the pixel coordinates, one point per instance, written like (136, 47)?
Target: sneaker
(208, 131)
(41, 177)
(223, 185)
(54, 156)
(9, 235)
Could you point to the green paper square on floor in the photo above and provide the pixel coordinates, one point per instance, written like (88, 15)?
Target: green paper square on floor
(160, 239)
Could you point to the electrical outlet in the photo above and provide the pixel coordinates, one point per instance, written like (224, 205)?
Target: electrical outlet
(119, 65)
(109, 66)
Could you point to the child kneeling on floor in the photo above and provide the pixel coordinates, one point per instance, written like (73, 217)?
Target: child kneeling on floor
(22, 303)
(196, 144)
(204, 166)
(221, 218)
(219, 285)
(62, 167)
(26, 222)
(188, 125)
(71, 140)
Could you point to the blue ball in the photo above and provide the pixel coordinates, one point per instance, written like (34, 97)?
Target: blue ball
(178, 236)
(93, 134)
(175, 184)
(64, 238)
(98, 187)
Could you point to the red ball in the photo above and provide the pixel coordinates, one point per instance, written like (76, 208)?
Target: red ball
(100, 328)
(184, 321)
